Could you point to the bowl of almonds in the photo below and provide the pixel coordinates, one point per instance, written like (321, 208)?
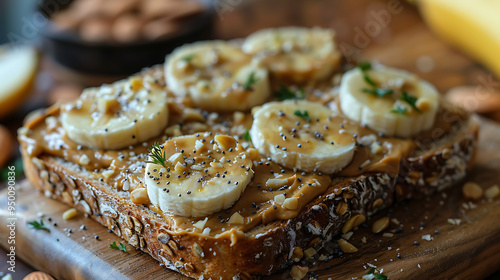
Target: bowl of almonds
(120, 37)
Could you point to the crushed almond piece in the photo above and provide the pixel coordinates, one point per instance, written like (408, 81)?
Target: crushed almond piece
(472, 191)
(291, 203)
(139, 196)
(309, 253)
(236, 218)
(346, 247)
(69, 214)
(492, 192)
(299, 272)
(353, 222)
(380, 225)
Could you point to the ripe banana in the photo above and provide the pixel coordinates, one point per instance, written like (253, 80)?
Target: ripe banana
(217, 76)
(197, 175)
(388, 100)
(295, 54)
(116, 116)
(303, 135)
(471, 25)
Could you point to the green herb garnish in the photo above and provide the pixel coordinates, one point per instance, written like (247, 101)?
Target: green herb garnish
(365, 66)
(399, 110)
(380, 92)
(411, 100)
(302, 114)
(285, 93)
(118, 246)
(157, 154)
(38, 225)
(247, 135)
(250, 81)
(376, 276)
(188, 57)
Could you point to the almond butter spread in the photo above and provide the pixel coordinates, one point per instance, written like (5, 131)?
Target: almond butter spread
(263, 200)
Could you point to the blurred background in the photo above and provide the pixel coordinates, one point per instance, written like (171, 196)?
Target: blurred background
(51, 50)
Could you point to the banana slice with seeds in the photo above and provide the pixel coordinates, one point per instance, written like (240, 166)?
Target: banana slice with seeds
(303, 135)
(197, 175)
(295, 54)
(116, 116)
(389, 100)
(217, 76)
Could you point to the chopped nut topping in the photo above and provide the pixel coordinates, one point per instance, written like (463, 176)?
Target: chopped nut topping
(472, 191)
(299, 272)
(346, 247)
(380, 225)
(492, 192)
(353, 222)
(69, 214)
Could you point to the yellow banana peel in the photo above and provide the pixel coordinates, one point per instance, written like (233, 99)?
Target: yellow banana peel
(471, 25)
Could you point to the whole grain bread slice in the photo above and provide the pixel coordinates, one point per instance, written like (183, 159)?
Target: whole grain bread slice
(265, 249)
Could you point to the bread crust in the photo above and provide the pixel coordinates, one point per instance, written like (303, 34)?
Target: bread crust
(272, 247)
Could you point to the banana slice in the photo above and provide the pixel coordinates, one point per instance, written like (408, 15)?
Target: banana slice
(295, 54)
(388, 100)
(197, 175)
(217, 76)
(116, 116)
(303, 135)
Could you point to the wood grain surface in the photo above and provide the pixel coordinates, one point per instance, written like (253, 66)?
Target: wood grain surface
(470, 250)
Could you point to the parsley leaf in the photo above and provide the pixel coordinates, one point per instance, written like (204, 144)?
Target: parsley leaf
(364, 66)
(155, 152)
(411, 100)
(302, 114)
(188, 57)
(250, 81)
(38, 225)
(399, 110)
(380, 92)
(118, 246)
(284, 93)
(247, 135)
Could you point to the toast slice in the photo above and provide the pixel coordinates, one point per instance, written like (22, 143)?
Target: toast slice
(441, 158)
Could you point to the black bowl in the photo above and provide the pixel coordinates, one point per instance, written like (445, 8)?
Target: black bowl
(70, 50)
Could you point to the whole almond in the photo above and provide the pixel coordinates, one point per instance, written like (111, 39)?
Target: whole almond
(38, 275)
(477, 99)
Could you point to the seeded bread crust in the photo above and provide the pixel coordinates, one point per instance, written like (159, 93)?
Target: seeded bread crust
(265, 249)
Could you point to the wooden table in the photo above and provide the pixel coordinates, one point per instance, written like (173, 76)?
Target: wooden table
(402, 40)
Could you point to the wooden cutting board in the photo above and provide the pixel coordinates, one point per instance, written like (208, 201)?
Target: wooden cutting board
(470, 250)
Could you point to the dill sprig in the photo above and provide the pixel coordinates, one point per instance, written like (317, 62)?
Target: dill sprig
(302, 114)
(411, 100)
(250, 81)
(285, 93)
(157, 154)
(38, 225)
(118, 246)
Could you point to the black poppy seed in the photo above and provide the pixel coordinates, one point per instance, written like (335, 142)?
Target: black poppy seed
(284, 149)
(168, 183)
(299, 145)
(268, 163)
(225, 171)
(188, 192)
(228, 160)
(360, 167)
(416, 243)
(106, 129)
(135, 120)
(227, 211)
(222, 220)
(133, 136)
(260, 163)
(182, 151)
(178, 176)
(275, 207)
(179, 195)
(223, 176)
(259, 186)
(197, 135)
(299, 179)
(319, 173)
(309, 184)
(96, 236)
(270, 189)
(165, 189)
(297, 123)
(398, 256)
(272, 171)
(206, 170)
(203, 162)
(230, 149)
(282, 170)
(158, 182)
(436, 231)
(154, 170)
(303, 174)
(399, 230)
(277, 146)
(253, 212)
(229, 182)
(55, 224)
(211, 141)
